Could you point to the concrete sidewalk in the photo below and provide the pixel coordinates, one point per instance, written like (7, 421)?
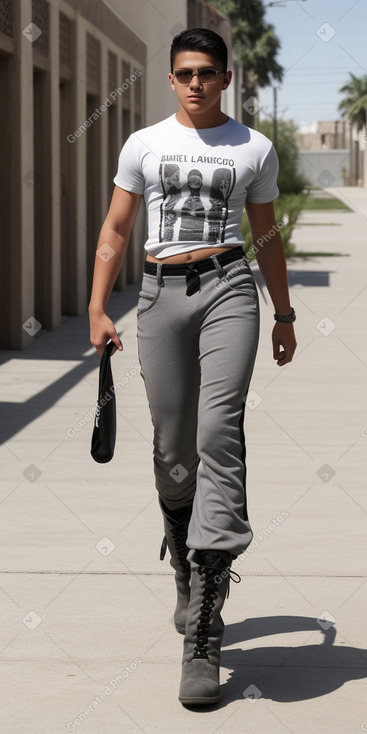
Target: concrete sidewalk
(87, 641)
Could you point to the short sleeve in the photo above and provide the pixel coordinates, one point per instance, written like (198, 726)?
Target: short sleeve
(264, 186)
(129, 175)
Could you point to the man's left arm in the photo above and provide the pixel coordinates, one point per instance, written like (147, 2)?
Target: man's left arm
(269, 251)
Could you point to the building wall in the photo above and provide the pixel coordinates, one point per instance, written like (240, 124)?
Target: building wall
(349, 168)
(76, 78)
(72, 79)
(155, 24)
(325, 167)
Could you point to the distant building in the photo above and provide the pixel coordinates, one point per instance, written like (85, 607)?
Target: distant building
(332, 154)
(329, 135)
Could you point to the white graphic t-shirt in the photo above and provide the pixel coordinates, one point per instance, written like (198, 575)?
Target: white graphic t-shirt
(195, 182)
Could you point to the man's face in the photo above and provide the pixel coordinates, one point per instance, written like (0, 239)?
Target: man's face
(198, 97)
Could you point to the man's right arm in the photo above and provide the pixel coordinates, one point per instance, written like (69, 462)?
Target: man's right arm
(112, 243)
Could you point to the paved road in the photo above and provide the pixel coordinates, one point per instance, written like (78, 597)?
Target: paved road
(87, 641)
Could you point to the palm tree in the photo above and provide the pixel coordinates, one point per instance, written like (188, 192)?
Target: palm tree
(255, 44)
(354, 104)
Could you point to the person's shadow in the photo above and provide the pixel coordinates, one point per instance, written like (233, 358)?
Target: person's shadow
(286, 674)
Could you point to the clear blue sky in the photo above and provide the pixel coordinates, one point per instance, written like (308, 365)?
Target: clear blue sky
(321, 42)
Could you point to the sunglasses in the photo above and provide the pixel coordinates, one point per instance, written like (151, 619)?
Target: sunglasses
(205, 76)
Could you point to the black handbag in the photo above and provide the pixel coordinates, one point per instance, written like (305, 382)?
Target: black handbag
(104, 431)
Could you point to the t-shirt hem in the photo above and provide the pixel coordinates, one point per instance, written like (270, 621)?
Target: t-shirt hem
(179, 249)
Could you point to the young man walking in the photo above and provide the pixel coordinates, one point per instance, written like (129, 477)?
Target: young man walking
(198, 327)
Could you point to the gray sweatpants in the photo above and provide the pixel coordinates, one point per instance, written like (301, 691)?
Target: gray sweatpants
(197, 354)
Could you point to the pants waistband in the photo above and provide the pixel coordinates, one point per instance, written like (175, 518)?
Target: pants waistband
(201, 266)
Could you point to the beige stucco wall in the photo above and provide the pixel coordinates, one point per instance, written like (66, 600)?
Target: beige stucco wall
(156, 24)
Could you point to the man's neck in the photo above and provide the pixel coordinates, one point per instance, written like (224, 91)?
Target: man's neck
(212, 118)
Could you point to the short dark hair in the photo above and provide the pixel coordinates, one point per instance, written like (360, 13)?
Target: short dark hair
(200, 39)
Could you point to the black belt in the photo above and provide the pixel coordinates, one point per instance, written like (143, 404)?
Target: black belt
(200, 266)
(193, 270)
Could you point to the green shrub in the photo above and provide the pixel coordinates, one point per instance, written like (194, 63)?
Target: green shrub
(287, 208)
(289, 180)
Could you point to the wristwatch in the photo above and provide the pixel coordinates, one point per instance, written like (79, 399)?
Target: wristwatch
(287, 318)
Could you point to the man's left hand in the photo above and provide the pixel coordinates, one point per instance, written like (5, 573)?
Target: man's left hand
(283, 336)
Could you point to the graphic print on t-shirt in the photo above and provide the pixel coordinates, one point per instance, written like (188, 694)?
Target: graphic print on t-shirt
(187, 214)
(169, 176)
(222, 184)
(193, 210)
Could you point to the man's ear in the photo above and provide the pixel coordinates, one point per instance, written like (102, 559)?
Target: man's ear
(172, 82)
(227, 80)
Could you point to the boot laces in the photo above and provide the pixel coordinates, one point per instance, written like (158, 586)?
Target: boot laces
(179, 535)
(212, 578)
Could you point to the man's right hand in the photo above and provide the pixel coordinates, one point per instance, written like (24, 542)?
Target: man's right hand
(101, 330)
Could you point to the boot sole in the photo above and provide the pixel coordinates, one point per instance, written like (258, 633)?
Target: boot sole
(199, 700)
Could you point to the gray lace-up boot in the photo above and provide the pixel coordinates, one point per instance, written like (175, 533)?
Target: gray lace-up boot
(210, 574)
(175, 529)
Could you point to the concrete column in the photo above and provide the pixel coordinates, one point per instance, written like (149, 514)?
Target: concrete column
(122, 277)
(119, 105)
(135, 255)
(47, 183)
(53, 298)
(21, 241)
(78, 298)
(104, 130)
